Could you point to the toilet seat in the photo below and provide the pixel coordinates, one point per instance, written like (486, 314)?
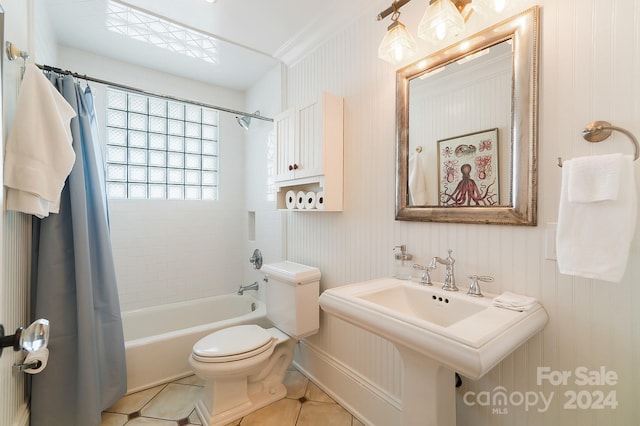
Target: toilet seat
(233, 344)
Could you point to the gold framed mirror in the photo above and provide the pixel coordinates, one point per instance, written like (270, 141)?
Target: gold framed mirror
(467, 129)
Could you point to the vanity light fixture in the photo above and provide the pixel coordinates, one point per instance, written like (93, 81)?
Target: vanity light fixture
(397, 44)
(442, 19)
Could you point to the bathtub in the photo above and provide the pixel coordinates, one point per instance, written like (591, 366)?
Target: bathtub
(158, 339)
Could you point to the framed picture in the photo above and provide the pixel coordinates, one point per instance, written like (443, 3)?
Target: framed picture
(468, 170)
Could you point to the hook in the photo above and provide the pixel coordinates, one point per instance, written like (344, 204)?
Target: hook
(601, 130)
(14, 53)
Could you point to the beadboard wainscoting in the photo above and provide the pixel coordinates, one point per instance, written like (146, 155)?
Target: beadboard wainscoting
(16, 269)
(366, 389)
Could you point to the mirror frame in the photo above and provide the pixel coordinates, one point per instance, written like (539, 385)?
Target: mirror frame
(523, 29)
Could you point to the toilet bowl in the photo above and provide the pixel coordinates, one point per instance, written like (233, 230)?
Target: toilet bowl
(243, 366)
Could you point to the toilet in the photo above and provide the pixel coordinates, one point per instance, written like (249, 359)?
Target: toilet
(244, 366)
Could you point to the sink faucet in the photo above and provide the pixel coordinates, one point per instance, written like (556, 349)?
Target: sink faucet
(243, 288)
(425, 279)
(449, 277)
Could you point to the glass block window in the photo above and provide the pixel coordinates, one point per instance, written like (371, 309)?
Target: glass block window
(160, 148)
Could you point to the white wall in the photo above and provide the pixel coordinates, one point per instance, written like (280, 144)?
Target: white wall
(589, 67)
(172, 251)
(263, 221)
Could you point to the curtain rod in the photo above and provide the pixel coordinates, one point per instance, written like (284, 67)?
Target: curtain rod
(146, 92)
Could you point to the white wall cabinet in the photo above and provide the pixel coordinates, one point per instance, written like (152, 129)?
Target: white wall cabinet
(309, 150)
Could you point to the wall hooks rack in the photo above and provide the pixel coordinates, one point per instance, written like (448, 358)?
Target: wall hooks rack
(601, 130)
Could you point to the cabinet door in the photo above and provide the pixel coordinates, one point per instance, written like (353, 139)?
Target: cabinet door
(309, 154)
(285, 145)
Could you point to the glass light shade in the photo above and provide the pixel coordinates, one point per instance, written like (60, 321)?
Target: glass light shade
(397, 44)
(441, 20)
(487, 7)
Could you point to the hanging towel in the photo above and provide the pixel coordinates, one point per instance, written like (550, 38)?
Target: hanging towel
(595, 178)
(38, 155)
(417, 181)
(594, 236)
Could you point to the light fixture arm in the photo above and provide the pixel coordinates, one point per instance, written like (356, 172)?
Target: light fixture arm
(397, 4)
(394, 8)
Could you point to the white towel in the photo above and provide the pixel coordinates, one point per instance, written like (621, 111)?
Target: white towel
(593, 238)
(595, 178)
(515, 302)
(417, 181)
(38, 155)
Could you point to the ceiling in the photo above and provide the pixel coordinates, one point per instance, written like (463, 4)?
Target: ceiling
(253, 35)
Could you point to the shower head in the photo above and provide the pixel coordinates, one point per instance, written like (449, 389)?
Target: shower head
(245, 121)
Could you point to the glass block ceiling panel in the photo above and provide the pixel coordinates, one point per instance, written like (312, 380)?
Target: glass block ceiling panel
(152, 29)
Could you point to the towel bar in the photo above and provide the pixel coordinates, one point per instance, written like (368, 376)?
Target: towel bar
(600, 130)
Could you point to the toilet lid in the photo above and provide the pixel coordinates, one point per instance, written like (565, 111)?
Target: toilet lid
(233, 341)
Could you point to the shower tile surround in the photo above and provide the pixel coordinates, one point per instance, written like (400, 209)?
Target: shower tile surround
(173, 404)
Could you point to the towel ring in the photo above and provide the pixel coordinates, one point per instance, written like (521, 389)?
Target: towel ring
(600, 130)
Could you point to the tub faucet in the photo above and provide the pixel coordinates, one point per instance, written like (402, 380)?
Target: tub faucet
(242, 288)
(449, 277)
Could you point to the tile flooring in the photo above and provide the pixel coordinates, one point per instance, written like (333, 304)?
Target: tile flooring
(173, 404)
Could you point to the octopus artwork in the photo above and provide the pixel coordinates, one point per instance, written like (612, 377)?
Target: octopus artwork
(467, 192)
(467, 171)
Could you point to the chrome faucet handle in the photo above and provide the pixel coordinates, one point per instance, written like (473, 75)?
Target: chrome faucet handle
(474, 285)
(425, 279)
(256, 259)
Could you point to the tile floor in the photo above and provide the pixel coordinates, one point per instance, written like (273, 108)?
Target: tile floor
(173, 404)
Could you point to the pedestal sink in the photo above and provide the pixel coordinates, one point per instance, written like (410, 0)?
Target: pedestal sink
(437, 333)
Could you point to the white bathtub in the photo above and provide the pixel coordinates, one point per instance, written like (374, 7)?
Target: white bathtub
(158, 339)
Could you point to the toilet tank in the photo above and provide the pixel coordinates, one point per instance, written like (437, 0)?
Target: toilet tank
(292, 297)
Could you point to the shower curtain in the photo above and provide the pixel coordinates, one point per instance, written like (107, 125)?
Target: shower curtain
(74, 286)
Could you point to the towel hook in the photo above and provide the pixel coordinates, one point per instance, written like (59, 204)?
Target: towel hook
(600, 130)
(14, 53)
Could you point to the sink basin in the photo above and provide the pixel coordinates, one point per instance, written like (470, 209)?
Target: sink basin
(437, 333)
(422, 304)
(467, 334)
